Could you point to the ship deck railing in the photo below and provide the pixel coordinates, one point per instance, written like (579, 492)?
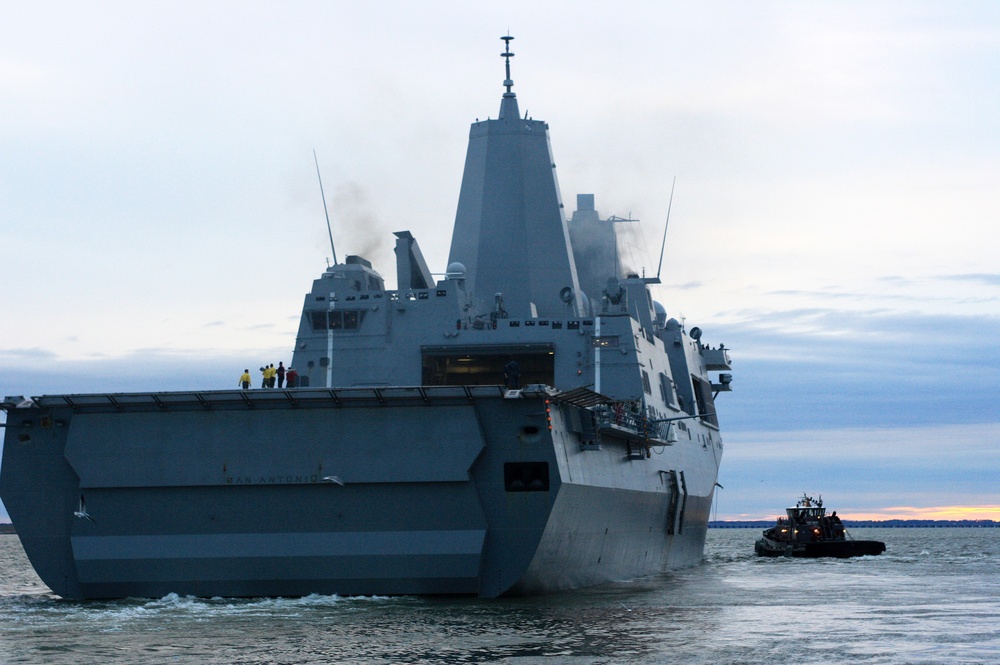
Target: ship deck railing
(261, 397)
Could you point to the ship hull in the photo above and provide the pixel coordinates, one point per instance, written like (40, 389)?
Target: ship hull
(447, 490)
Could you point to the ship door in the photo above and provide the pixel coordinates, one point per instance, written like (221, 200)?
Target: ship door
(484, 366)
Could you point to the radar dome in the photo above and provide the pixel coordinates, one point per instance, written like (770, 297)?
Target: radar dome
(661, 313)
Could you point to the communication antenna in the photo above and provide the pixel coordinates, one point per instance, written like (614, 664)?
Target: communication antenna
(507, 55)
(663, 245)
(325, 212)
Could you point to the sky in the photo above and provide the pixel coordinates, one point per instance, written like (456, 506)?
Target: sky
(835, 220)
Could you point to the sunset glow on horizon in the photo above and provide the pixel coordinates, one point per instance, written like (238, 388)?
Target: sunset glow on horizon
(983, 512)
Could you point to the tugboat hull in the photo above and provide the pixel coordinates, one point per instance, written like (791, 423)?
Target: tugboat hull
(840, 549)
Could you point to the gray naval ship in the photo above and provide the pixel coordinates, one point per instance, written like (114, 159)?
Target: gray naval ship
(531, 422)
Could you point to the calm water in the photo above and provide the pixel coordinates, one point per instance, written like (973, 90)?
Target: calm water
(933, 597)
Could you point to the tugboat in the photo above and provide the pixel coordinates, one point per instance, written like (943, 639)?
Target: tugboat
(808, 531)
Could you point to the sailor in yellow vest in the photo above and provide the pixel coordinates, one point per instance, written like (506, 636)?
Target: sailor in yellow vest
(245, 379)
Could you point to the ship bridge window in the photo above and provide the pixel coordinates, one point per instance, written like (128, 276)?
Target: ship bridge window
(337, 320)
(484, 366)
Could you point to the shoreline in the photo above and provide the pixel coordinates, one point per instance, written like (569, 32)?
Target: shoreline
(863, 524)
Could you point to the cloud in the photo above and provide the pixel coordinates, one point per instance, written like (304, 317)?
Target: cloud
(992, 279)
(26, 354)
(145, 370)
(974, 512)
(861, 470)
(816, 368)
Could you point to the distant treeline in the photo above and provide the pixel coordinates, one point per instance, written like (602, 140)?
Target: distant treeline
(861, 524)
(7, 528)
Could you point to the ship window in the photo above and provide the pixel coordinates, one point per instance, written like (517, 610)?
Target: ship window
(441, 293)
(526, 476)
(557, 325)
(337, 320)
(573, 325)
(423, 295)
(515, 324)
(645, 383)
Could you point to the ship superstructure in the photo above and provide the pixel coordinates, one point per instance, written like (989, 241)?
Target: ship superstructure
(531, 422)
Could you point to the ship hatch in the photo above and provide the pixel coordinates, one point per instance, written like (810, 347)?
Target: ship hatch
(484, 366)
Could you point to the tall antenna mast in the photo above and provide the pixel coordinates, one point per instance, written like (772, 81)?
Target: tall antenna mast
(325, 212)
(507, 55)
(663, 245)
